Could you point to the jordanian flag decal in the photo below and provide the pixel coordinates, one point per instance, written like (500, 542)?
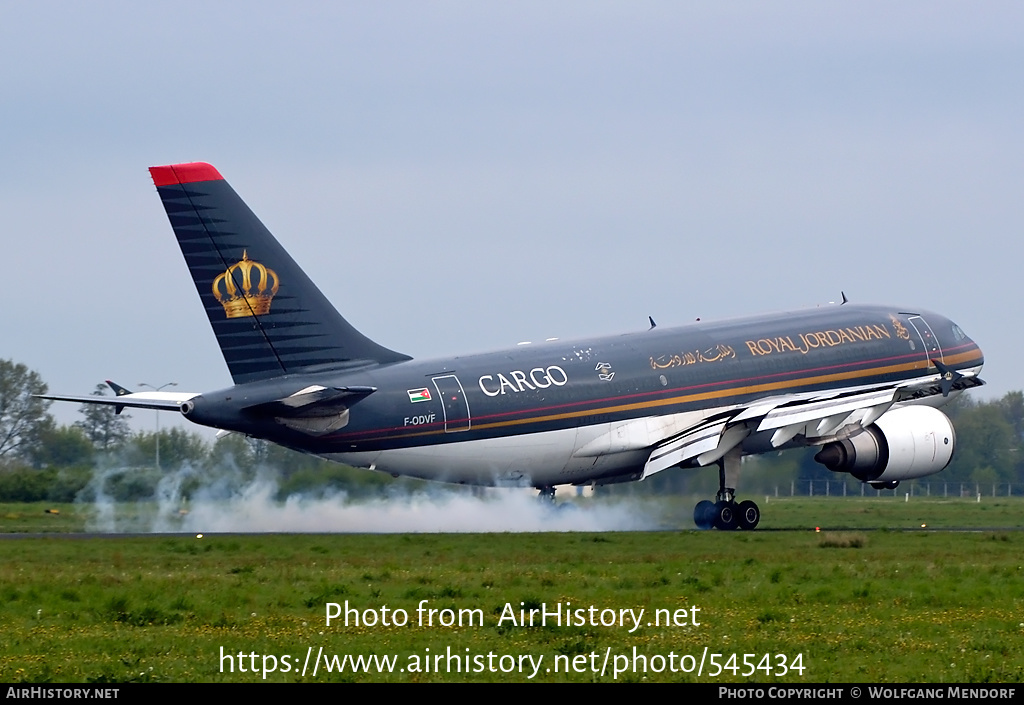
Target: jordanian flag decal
(416, 395)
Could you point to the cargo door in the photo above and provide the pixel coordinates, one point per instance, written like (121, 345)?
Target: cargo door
(454, 403)
(932, 349)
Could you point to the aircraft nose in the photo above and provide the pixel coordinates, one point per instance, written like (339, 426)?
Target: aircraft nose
(973, 356)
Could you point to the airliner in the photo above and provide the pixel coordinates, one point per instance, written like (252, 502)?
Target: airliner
(863, 383)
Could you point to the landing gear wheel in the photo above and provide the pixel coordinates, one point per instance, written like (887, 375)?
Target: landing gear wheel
(547, 495)
(748, 515)
(725, 516)
(704, 515)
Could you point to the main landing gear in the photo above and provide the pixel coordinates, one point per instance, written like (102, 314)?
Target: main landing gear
(547, 494)
(724, 513)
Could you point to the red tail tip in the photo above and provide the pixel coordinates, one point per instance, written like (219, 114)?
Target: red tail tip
(184, 173)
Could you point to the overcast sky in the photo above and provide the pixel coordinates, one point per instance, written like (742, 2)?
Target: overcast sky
(461, 176)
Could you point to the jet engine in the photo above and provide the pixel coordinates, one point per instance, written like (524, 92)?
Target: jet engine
(902, 444)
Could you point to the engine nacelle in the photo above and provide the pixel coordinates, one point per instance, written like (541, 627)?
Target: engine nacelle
(902, 444)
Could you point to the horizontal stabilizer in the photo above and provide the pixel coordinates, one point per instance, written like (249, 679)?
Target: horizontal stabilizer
(166, 401)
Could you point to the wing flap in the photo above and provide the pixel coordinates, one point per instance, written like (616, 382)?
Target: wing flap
(702, 439)
(814, 415)
(826, 409)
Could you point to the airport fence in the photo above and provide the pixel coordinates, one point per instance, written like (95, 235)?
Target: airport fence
(914, 488)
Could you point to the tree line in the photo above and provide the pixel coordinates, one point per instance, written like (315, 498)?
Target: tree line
(43, 460)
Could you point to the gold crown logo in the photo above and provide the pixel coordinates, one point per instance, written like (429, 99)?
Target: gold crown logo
(240, 303)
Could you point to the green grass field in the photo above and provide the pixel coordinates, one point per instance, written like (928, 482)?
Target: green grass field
(856, 604)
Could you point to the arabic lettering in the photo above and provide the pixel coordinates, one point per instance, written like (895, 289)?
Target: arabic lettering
(713, 354)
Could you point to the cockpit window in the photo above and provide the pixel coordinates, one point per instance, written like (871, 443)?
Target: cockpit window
(958, 333)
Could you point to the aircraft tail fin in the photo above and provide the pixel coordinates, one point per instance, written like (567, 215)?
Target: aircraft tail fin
(269, 318)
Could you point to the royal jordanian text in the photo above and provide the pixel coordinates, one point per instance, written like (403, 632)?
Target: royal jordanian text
(817, 339)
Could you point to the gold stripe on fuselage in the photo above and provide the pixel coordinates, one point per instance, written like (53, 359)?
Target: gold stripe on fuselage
(951, 360)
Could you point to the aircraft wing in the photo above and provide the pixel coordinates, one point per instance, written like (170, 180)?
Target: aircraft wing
(817, 416)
